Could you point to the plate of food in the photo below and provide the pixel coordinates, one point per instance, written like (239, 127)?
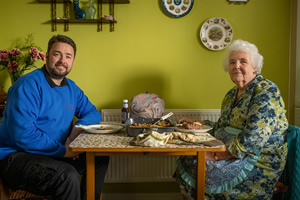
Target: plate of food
(216, 33)
(177, 8)
(192, 127)
(136, 126)
(101, 128)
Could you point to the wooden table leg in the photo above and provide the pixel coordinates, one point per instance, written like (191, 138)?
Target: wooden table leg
(90, 175)
(201, 175)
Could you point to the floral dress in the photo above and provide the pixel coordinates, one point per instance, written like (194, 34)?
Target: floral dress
(253, 128)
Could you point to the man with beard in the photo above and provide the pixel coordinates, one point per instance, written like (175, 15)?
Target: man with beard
(35, 130)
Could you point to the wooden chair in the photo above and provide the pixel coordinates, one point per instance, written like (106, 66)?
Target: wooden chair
(281, 187)
(7, 193)
(287, 187)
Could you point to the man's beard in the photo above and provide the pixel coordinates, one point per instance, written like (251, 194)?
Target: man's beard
(56, 74)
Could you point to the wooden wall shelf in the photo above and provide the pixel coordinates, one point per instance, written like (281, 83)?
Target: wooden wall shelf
(100, 18)
(83, 21)
(65, 1)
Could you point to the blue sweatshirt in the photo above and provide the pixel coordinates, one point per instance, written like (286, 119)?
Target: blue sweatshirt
(38, 115)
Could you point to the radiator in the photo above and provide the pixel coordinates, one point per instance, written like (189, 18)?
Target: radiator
(125, 169)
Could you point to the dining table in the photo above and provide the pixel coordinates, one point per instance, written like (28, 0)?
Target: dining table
(118, 144)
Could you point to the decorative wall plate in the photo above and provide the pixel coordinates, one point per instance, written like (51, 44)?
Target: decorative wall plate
(177, 8)
(216, 33)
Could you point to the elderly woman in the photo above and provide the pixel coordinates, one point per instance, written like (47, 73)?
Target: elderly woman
(252, 125)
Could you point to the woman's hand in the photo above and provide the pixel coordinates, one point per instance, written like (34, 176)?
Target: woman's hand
(223, 155)
(184, 119)
(210, 156)
(214, 156)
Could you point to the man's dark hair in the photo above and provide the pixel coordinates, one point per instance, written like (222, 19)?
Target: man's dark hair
(61, 38)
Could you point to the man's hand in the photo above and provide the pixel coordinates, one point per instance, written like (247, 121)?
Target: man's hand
(71, 154)
(68, 142)
(75, 132)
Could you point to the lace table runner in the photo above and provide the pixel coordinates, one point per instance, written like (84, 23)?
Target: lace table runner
(122, 140)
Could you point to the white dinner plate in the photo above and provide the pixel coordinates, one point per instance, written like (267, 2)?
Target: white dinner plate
(216, 33)
(205, 129)
(177, 8)
(102, 128)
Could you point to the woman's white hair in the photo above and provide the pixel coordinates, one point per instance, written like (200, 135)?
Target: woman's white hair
(251, 49)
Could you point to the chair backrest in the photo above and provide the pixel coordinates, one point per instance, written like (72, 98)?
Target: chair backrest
(147, 105)
(293, 140)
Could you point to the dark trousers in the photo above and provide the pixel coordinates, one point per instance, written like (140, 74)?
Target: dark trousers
(56, 177)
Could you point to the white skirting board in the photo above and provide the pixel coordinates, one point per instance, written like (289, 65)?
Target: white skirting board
(125, 169)
(210, 114)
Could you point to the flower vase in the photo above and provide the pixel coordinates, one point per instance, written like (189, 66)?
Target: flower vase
(3, 95)
(14, 77)
(91, 10)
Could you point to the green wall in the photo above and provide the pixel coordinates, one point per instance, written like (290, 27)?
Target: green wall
(150, 51)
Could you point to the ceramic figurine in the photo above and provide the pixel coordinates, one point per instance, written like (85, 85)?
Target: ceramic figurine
(80, 14)
(91, 10)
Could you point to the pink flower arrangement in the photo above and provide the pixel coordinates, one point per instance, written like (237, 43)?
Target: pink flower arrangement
(18, 60)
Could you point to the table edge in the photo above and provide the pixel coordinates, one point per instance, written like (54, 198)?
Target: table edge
(148, 149)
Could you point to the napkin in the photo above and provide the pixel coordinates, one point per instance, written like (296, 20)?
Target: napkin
(151, 139)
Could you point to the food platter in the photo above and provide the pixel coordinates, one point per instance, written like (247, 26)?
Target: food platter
(216, 33)
(205, 129)
(102, 128)
(135, 131)
(177, 8)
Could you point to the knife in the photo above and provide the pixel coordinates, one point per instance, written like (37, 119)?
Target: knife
(163, 118)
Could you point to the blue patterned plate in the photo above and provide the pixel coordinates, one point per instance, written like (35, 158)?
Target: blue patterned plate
(177, 8)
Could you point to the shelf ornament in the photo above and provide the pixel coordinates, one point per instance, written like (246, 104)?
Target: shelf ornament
(80, 14)
(91, 10)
